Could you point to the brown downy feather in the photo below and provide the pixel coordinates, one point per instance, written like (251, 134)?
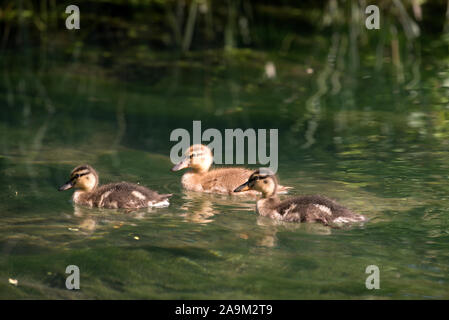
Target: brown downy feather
(114, 195)
(311, 208)
(221, 180)
(122, 195)
(314, 208)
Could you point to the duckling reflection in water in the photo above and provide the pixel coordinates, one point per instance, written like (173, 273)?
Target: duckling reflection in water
(198, 209)
(314, 208)
(87, 220)
(222, 180)
(201, 207)
(268, 238)
(112, 196)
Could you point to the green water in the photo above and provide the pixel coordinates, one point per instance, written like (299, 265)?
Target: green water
(376, 144)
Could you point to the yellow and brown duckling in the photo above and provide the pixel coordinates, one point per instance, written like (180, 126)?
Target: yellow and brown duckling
(313, 208)
(114, 195)
(222, 180)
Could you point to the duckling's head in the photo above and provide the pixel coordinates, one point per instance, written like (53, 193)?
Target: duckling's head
(198, 157)
(82, 177)
(262, 180)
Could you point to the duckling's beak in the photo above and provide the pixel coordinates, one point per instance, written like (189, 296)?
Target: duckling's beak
(243, 187)
(183, 164)
(67, 185)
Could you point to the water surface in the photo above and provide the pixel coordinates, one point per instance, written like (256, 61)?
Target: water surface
(377, 145)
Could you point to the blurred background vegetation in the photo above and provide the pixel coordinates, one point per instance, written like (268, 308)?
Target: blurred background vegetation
(205, 24)
(221, 58)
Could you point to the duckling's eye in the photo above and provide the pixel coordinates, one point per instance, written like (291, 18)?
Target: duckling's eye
(253, 179)
(265, 181)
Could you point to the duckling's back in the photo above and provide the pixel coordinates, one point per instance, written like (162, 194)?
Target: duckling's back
(224, 180)
(126, 195)
(316, 208)
(220, 180)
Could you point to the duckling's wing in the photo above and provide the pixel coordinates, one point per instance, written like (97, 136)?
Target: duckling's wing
(311, 208)
(128, 195)
(224, 180)
(303, 210)
(340, 214)
(320, 209)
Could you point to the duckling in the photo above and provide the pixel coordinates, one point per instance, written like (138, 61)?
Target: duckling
(114, 195)
(312, 208)
(223, 180)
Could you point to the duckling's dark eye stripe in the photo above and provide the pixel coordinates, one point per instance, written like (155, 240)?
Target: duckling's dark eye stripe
(199, 154)
(255, 178)
(78, 176)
